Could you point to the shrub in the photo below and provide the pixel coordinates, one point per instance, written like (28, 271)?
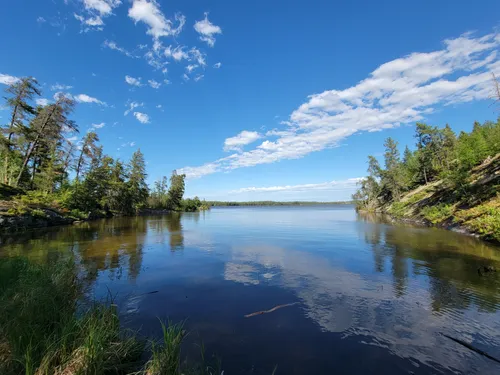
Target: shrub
(438, 213)
(398, 209)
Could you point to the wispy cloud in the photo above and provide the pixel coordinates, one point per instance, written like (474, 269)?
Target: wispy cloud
(154, 84)
(401, 91)
(237, 142)
(84, 98)
(331, 185)
(112, 45)
(60, 87)
(6, 79)
(207, 30)
(142, 117)
(93, 13)
(217, 65)
(132, 106)
(98, 126)
(133, 81)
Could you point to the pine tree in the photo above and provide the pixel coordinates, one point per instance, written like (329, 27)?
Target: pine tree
(88, 151)
(21, 93)
(176, 191)
(137, 181)
(48, 126)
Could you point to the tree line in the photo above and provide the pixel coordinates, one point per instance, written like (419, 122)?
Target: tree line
(270, 203)
(439, 155)
(38, 156)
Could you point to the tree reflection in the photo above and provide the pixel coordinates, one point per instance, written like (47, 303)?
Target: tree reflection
(174, 226)
(449, 260)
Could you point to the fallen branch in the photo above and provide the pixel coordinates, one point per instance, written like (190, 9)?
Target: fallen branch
(474, 349)
(271, 310)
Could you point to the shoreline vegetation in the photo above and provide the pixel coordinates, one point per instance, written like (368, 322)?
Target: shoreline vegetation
(48, 327)
(51, 176)
(447, 181)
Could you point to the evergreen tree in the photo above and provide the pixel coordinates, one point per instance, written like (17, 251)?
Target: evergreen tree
(137, 181)
(19, 95)
(87, 152)
(176, 191)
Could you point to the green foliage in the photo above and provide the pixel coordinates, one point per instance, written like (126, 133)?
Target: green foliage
(166, 356)
(158, 199)
(398, 209)
(46, 328)
(138, 188)
(176, 191)
(438, 213)
(487, 225)
(194, 204)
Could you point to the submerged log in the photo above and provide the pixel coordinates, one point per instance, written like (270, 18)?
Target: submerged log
(473, 348)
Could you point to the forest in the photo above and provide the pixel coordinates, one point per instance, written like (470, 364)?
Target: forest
(446, 179)
(44, 164)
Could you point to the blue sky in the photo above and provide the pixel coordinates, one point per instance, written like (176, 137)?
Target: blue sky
(256, 100)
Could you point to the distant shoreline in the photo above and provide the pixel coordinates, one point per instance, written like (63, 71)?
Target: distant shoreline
(274, 203)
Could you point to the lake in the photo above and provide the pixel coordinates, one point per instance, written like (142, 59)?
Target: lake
(366, 296)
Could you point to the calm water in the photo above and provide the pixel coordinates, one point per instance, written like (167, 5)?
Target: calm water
(371, 298)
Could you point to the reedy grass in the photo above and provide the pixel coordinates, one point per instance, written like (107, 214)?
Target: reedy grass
(45, 330)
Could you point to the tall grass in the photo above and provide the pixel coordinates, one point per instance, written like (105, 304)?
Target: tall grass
(45, 331)
(42, 332)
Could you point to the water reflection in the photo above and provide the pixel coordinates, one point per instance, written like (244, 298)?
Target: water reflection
(363, 285)
(114, 245)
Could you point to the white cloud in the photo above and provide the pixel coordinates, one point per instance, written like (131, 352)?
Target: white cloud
(42, 102)
(185, 77)
(128, 144)
(112, 45)
(398, 92)
(142, 117)
(94, 11)
(237, 142)
(198, 77)
(148, 11)
(207, 30)
(84, 98)
(154, 84)
(7, 79)
(217, 65)
(72, 139)
(92, 22)
(103, 7)
(59, 87)
(198, 56)
(132, 106)
(98, 126)
(191, 67)
(331, 185)
(176, 53)
(159, 106)
(41, 20)
(133, 81)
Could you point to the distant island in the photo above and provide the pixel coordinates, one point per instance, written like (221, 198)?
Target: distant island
(273, 203)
